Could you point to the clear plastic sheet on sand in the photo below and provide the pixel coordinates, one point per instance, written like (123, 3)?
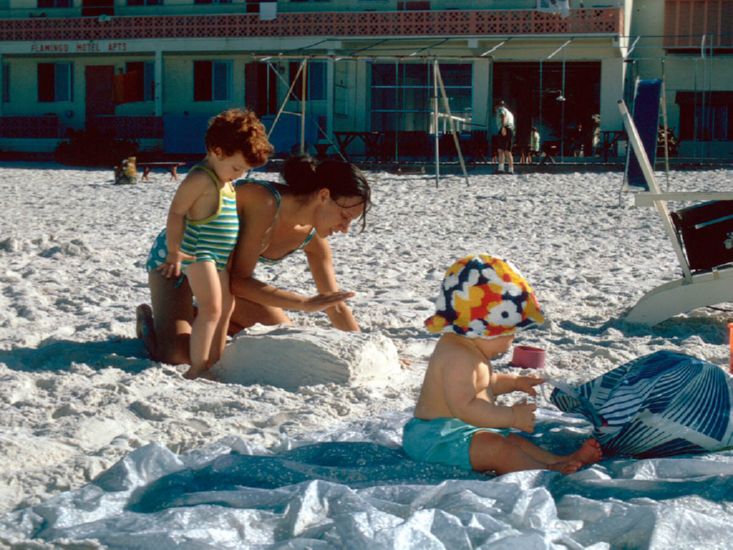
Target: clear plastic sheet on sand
(348, 494)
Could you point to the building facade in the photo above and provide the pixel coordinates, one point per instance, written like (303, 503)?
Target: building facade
(689, 43)
(156, 70)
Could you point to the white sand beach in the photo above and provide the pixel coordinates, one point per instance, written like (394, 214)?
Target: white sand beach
(77, 393)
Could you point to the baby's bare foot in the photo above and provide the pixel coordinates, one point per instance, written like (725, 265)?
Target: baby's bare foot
(566, 466)
(589, 453)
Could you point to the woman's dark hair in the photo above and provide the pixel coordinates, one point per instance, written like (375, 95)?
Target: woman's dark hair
(304, 176)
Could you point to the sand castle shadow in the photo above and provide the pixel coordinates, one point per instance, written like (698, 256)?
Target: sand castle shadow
(355, 464)
(123, 353)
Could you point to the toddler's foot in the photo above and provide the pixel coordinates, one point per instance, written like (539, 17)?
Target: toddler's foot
(198, 372)
(144, 328)
(589, 453)
(192, 373)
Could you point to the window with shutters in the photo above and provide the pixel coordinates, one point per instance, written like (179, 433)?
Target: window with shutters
(55, 82)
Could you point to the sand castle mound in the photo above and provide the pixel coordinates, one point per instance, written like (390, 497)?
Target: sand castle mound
(290, 357)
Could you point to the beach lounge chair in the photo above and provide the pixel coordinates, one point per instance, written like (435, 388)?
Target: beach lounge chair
(707, 271)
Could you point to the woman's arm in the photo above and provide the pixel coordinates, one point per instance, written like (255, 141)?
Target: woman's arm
(257, 211)
(320, 261)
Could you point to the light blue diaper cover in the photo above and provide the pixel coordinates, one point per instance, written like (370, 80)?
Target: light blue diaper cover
(441, 440)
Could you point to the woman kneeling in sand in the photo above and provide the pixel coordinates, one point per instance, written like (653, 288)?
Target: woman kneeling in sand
(276, 220)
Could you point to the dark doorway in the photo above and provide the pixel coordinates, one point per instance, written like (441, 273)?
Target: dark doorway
(560, 99)
(260, 88)
(95, 8)
(100, 98)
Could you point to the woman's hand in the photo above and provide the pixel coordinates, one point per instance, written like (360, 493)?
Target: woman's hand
(319, 302)
(526, 384)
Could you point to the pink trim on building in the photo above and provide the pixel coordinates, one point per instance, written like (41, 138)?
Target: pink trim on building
(331, 24)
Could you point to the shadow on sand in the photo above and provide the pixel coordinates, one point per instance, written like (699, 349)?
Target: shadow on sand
(711, 329)
(123, 353)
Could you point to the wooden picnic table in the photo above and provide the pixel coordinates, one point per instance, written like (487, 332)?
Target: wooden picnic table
(371, 141)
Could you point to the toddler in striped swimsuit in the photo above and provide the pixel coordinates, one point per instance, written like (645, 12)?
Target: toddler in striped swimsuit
(202, 230)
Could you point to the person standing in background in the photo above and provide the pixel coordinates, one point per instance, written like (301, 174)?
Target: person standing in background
(504, 137)
(534, 143)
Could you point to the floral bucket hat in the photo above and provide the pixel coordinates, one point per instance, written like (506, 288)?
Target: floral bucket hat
(482, 296)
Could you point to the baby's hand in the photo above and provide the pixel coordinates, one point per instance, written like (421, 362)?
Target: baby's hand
(524, 416)
(526, 384)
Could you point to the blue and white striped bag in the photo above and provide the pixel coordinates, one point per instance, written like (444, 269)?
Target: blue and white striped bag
(661, 404)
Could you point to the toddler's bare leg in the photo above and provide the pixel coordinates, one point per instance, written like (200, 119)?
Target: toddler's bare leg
(204, 281)
(227, 307)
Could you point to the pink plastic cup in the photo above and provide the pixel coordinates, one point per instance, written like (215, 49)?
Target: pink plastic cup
(528, 357)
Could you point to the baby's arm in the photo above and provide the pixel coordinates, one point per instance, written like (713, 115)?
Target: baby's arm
(461, 390)
(506, 383)
(190, 190)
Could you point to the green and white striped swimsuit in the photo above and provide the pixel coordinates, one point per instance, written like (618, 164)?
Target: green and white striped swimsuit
(159, 251)
(212, 239)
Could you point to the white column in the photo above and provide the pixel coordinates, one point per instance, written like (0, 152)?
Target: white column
(481, 95)
(612, 89)
(158, 83)
(362, 87)
(330, 98)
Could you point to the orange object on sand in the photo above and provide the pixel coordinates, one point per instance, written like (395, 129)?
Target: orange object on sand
(730, 347)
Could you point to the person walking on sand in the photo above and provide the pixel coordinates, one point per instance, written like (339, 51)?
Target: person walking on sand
(203, 225)
(504, 120)
(315, 201)
(483, 300)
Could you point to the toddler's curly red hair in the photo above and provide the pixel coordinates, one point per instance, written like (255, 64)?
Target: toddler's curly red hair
(239, 130)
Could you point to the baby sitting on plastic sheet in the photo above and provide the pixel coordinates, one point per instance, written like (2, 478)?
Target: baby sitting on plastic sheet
(482, 302)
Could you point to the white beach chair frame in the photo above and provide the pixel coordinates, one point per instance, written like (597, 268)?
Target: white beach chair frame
(694, 289)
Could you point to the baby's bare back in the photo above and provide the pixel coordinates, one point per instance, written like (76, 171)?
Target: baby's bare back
(455, 375)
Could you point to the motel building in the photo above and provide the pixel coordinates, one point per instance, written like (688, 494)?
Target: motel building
(374, 78)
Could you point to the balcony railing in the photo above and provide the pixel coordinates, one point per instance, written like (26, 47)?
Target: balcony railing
(686, 22)
(330, 24)
(20, 126)
(130, 127)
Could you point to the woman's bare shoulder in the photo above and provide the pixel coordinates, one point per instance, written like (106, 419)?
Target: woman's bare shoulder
(256, 198)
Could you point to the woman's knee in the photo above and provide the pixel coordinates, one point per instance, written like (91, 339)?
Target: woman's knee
(174, 350)
(248, 313)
